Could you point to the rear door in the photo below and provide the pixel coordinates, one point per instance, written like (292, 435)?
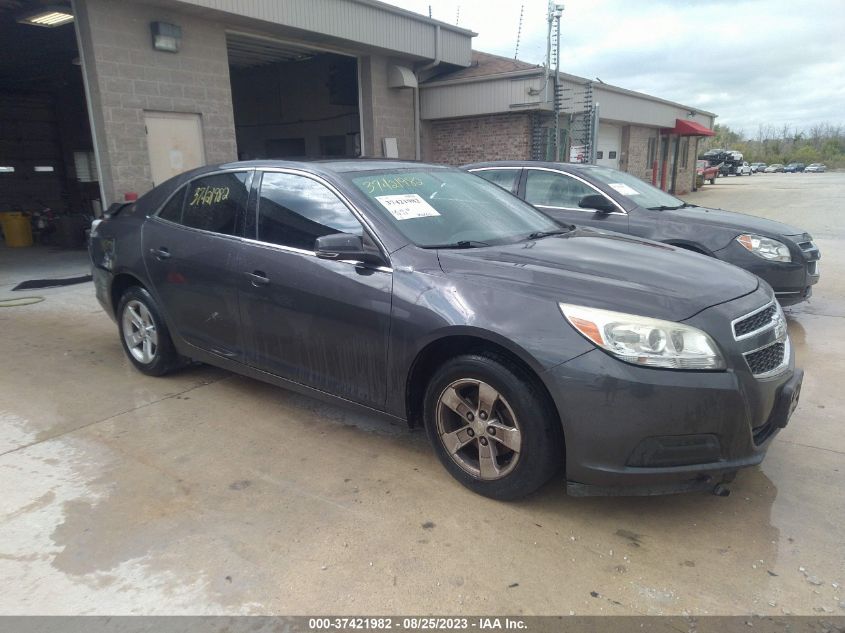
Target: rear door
(558, 194)
(190, 250)
(318, 322)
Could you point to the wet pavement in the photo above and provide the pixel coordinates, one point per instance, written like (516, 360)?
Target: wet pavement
(206, 492)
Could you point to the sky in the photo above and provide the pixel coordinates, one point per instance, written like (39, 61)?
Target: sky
(754, 63)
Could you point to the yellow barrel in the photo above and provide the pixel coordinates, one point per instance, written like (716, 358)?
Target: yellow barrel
(16, 229)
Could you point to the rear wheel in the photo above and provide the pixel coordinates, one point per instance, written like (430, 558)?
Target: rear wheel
(492, 427)
(144, 334)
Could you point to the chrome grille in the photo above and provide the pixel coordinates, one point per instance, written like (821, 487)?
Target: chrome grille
(756, 321)
(766, 359)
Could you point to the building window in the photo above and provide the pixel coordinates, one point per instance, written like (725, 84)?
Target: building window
(684, 152)
(652, 151)
(85, 166)
(611, 155)
(599, 154)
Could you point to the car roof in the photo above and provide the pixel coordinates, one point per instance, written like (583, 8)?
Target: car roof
(571, 167)
(336, 166)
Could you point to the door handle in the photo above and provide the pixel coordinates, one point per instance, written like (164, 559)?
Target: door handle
(160, 253)
(258, 278)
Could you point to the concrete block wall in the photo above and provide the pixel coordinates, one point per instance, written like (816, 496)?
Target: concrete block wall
(127, 77)
(490, 137)
(386, 112)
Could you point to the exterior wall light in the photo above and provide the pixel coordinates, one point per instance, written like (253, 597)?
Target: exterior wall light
(166, 37)
(49, 16)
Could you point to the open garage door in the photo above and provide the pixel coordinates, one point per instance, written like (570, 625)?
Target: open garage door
(609, 145)
(293, 102)
(48, 171)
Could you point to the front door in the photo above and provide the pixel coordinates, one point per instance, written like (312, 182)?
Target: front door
(558, 194)
(190, 250)
(317, 322)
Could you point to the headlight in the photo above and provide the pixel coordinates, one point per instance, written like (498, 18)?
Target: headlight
(765, 247)
(645, 341)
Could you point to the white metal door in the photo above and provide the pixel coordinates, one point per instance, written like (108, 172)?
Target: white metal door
(175, 143)
(609, 145)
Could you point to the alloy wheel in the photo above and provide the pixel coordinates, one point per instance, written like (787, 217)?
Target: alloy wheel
(478, 429)
(139, 332)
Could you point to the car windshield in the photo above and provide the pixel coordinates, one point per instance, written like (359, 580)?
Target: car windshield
(442, 208)
(633, 188)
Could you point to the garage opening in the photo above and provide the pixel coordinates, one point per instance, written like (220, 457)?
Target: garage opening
(291, 102)
(48, 174)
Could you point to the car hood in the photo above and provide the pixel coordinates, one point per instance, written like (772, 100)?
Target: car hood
(741, 222)
(604, 270)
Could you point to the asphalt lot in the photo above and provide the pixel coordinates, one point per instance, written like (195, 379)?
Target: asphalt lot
(206, 492)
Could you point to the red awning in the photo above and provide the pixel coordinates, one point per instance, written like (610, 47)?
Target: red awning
(684, 127)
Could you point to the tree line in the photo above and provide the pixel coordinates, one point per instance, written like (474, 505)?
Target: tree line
(822, 143)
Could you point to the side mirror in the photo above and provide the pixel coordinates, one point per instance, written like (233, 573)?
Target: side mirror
(597, 202)
(340, 246)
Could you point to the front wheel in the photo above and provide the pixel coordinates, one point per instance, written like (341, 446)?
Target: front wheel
(492, 426)
(713, 180)
(144, 334)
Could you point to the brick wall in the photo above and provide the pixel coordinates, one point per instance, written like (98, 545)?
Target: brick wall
(126, 77)
(635, 150)
(386, 112)
(492, 137)
(685, 180)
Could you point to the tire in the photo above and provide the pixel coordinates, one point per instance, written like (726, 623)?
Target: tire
(139, 319)
(523, 451)
(713, 180)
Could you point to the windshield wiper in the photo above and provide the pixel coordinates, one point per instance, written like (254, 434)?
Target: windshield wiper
(536, 235)
(664, 207)
(460, 244)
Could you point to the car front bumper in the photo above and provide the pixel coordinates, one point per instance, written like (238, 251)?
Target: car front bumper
(632, 430)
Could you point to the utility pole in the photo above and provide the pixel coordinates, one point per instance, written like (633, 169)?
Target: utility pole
(553, 59)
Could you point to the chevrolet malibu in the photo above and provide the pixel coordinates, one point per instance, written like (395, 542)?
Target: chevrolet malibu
(601, 197)
(429, 295)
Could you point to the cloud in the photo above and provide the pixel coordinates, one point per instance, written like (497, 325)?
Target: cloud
(752, 62)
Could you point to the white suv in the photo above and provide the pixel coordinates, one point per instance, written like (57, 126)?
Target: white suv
(744, 169)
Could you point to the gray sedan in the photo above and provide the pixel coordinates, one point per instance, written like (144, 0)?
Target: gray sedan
(426, 294)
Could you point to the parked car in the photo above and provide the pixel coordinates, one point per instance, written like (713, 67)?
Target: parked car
(744, 169)
(774, 167)
(705, 171)
(427, 294)
(758, 167)
(816, 167)
(601, 197)
(794, 168)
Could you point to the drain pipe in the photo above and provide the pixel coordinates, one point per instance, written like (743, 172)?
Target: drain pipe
(429, 66)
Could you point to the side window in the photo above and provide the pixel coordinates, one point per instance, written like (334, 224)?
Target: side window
(550, 189)
(295, 210)
(172, 211)
(214, 202)
(505, 178)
